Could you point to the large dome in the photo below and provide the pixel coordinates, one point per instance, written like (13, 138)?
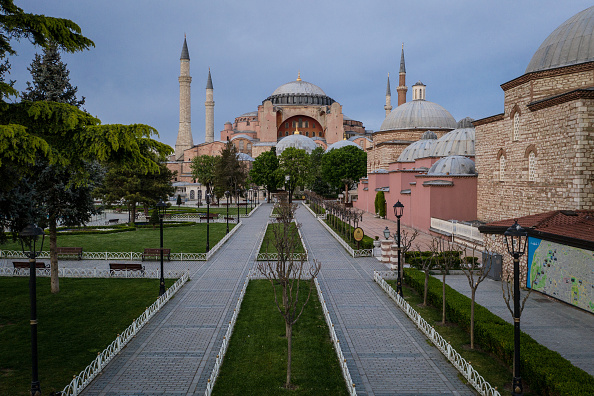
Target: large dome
(299, 87)
(299, 92)
(298, 141)
(571, 43)
(418, 114)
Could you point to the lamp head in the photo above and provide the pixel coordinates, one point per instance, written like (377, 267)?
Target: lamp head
(516, 238)
(398, 209)
(29, 237)
(161, 208)
(387, 233)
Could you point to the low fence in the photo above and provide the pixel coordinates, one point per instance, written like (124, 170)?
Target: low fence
(103, 358)
(457, 229)
(464, 367)
(93, 273)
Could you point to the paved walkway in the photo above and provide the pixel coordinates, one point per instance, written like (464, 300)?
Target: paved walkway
(385, 352)
(175, 352)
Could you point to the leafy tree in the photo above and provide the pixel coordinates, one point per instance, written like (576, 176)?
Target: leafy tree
(315, 181)
(154, 219)
(229, 171)
(380, 204)
(204, 170)
(264, 171)
(179, 200)
(342, 167)
(293, 168)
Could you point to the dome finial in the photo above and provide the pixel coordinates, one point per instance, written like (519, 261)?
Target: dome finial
(299, 75)
(296, 131)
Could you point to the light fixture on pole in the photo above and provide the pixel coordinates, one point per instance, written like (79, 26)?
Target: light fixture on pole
(237, 201)
(227, 194)
(398, 212)
(29, 237)
(516, 239)
(246, 200)
(387, 233)
(207, 222)
(161, 209)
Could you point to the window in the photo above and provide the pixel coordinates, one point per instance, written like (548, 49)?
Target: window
(307, 134)
(313, 124)
(307, 124)
(300, 123)
(532, 166)
(516, 126)
(502, 168)
(192, 194)
(287, 125)
(294, 124)
(313, 134)
(241, 145)
(286, 133)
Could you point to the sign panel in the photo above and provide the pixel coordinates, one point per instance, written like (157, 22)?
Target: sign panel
(358, 234)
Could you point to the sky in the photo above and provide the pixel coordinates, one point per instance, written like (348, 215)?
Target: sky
(462, 50)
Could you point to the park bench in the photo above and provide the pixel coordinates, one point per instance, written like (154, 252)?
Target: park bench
(112, 221)
(25, 265)
(113, 267)
(156, 253)
(230, 218)
(210, 216)
(70, 251)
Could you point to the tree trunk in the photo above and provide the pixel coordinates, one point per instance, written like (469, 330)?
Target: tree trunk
(426, 287)
(346, 192)
(133, 212)
(443, 287)
(473, 291)
(289, 333)
(55, 281)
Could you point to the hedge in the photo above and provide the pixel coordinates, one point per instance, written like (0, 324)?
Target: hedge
(547, 372)
(365, 243)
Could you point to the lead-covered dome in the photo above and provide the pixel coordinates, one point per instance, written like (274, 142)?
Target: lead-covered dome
(571, 43)
(455, 165)
(419, 149)
(298, 141)
(342, 143)
(299, 92)
(460, 141)
(299, 87)
(418, 114)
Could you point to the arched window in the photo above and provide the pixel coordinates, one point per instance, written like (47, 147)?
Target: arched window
(502, 168)
(532, 166)
(516, 126)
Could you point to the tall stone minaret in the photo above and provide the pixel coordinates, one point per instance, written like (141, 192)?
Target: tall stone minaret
(402, 88)
(388, 106)
(209, 108)
(184, 135)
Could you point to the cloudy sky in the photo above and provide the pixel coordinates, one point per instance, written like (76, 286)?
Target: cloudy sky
(461, 49)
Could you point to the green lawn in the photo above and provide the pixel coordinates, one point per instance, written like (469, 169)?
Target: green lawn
(186, 239)
(74, 325)
(255, 363)
(492, 369)
(268, 246)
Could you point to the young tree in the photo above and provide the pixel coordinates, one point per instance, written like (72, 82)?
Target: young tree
(427, 263)
(293, 168)
(344, 166)
(204, 170)
(264, 171)
(286, 274)
(447, 254)
(228, 171)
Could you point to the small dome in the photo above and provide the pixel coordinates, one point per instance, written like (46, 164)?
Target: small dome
(457, 142)
(465, 123)
(244, 157)
(250, 114)
(455, 165)
(342, 143)
(570, 44)
(418, 114)
(419, 149)
(298, 141)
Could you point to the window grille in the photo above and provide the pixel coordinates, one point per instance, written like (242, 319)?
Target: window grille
(532, 166)
(517, 126)
(502, 168)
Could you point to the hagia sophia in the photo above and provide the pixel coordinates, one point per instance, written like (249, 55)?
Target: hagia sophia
(535, 156)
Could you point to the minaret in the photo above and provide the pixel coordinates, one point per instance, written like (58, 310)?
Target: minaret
(402, 88)
(209, 108)
(388, 106)
(184, 135)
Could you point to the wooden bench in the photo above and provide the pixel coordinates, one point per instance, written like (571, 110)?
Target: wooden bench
(210, 216)
(112, 221)
(70, 251)
(25, 265)
(113, 267)
(229, 218)
(156, 253)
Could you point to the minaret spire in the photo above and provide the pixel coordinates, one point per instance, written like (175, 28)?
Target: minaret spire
(184, 135)
(402, 88)
(209, 110)
(388, 106)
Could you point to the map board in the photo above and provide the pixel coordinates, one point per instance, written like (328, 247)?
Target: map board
(563, 272)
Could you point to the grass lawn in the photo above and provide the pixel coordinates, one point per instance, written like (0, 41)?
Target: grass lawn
(74, 325)
(492, 369)
(186, 239)
(268, 246)
(255, 363)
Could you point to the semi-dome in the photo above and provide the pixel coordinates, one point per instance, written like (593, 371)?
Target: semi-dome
(342, 143)
(418, 114)
(571, 43)
(298, 141)
(299, 92)
(457, 142)
(419, 149)
(455, 165)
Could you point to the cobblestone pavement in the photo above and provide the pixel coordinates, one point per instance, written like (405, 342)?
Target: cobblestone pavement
(175, 352)
(385, 352)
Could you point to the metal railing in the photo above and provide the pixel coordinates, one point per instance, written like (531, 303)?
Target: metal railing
(464, 367)
(103, 358)
(93, 273)
(457, 229)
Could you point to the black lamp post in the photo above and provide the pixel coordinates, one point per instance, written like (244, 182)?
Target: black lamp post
(251, 194)
(161, 209)
(398, 211)
(29, 237)
(207, 222)
(516, 239)
(199, 193)
(237, 201)
(227, 194)
(246, 202)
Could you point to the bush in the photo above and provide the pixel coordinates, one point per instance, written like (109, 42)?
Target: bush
(380, 204)
(547, 372)
(366, 242)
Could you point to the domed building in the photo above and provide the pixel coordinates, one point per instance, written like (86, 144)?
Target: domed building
(538, 154)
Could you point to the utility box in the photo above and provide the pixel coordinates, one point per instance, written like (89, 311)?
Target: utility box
(493, 261)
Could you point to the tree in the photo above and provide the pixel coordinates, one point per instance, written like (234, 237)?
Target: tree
(293, 168)
(264, 171)
(427, 263)
(380, 204)
(315, 182)
(447, 253)
(229, 171)
(204, 170)
(179, 200)
(286, 273)
(342, 167)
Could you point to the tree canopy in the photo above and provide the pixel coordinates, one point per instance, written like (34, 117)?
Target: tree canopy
(204, 169)
(342, 167)
(229, 171)
(264, 171)
(293, 168)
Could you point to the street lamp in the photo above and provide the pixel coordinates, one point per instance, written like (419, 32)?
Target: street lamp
(237, 202)
(398, 211)
(161, 209)
(246, 200)
(207, 222)
(516, 239)
(227, 194)
(29, 237)
(251, 199)
(387, 233)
